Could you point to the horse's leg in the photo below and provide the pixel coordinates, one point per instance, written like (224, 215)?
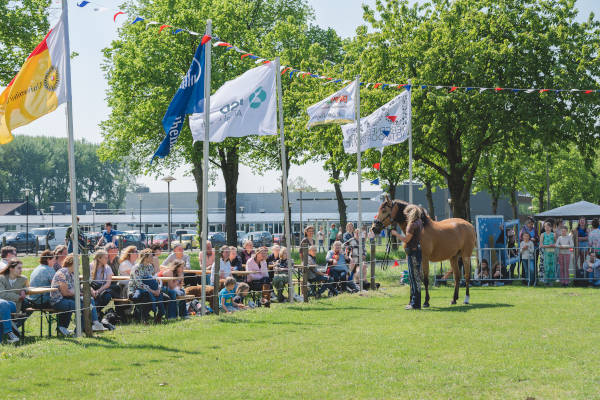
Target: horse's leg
(425, 265)
(467, 267)
(456, 273)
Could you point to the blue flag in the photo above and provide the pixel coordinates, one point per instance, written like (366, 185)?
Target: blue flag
(189, 99)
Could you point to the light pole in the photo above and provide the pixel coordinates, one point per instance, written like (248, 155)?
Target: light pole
(140, 197)
(169, 179)
(301, 223)
(27, 191)
(52, 214)
(93, 215)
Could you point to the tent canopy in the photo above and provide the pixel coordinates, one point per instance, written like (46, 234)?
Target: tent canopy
(572, 211)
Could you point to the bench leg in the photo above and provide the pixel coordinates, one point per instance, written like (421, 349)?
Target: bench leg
(41, 324)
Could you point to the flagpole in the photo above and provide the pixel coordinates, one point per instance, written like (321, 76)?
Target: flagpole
(284, 188)
(359, 173)
(205, 145)
(410, 146)
(72, 177)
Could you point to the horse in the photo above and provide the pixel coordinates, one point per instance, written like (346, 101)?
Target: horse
(451, 239)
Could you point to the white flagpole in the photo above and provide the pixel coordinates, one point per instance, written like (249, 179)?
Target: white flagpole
(72, 176)
(205, 144)
(410, 147)
(286, 204)
(359, 173)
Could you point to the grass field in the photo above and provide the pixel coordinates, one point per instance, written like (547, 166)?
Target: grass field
(510, 343)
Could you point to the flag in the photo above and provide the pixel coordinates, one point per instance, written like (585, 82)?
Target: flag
(246, 105)
(339, 107)
(188, 99)
(39, 87)
(389, 124)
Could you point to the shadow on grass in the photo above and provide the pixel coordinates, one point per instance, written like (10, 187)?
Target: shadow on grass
(264, 322)
(332, 308)
(99, 341)
(468, 307)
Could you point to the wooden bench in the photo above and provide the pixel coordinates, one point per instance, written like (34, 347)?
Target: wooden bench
(49, 314)
(187, 297)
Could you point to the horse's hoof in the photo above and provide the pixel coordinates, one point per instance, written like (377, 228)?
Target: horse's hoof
(453, 302)
(467, 299)
(426, 305)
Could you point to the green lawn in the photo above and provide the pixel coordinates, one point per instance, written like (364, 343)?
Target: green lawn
(510, 343)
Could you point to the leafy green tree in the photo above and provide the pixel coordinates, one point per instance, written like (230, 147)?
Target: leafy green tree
(24, 24)
(512, 43)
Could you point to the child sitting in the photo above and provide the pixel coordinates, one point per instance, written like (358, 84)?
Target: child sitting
(241, 292)
(226, 296)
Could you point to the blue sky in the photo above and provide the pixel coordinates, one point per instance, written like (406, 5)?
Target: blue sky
(92, 31)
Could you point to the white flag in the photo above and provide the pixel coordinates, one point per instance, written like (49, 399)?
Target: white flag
(244, 106)
(389, 124)
(339, 107)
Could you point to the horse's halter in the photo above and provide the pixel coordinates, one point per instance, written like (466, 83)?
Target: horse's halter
(381, 224)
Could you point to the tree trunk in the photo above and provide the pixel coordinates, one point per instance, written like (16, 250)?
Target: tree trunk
(392, 190)
(230, 165)
(514, 203)
(429, 195)
(541, 199)
(495, 203)
(340, 198)
(197, 173)
(458, 194)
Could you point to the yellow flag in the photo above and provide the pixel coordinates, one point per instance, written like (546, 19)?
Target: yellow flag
(38, 88)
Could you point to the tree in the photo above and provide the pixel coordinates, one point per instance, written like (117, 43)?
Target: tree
(512, 43)
(144, 69)
(24, 24)
(298, 184)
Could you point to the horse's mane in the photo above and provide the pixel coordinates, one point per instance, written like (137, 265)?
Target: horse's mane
(425, 218)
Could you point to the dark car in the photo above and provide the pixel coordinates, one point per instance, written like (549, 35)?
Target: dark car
(131, 239)
(162, 239)
(92, 239)
(217, 239)
(22, 241)
(260, 238)
(278, 238)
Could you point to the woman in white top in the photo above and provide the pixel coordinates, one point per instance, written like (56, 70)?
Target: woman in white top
(224, 267)
(101, 276)
(564, 243)
(128, 259)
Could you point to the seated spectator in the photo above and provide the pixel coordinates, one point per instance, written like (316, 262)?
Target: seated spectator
(210, 261)
(236, 263)
(6, 309)
(144, 290)
(13, 285)
(248, 251)
(108, 235)
(273, 259)
(241, 292)
(224, 267)
(316, 277)
(226, 296)
(482, 274)
(7, 253)
(101, 276)
(41, 277)
(338, 267)
(156, 252)
(499, 274)
(60, 253)
(258, 265)
(280, 272)
(113, 259)
(172, 289)
(592, 269)
(177, 254)
(63, 299)
(127, 261)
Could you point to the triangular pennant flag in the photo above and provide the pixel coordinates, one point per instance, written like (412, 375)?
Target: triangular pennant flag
(205, 39)
(151, 23)
(423, 86)
(386, 133)
(176, 31)
(498, 89)
(483, 89)
(396, 263)
(163, 27)
(408, 87)
(377, 166)
(392, 118)
(116, 15)
(530, 91)
(137, 19)
(375, 181)
(516, 90)
(439, 87)
(588, 91)
(453, 89)
(83, 3)
(468, 89)
(543, 90)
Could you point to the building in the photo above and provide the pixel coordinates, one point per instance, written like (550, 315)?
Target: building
(255, 211)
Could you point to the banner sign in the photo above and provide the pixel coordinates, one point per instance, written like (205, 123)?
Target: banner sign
(337, 108)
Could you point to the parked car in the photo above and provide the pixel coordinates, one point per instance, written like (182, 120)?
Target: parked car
(131, 239)
(163, 240)
(217, 239)
(278, 238)
(55, 236)
(260, 238)
(241, 236)
(179, 232)
(188, 241)
(92, 239)
(24, 242)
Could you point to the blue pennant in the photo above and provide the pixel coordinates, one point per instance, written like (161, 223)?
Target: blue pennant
(176, 31)
(469, 89)
(408, 87)
(138, 19)
(386, 133)
(83, 3)
(375, 181)
(423, 86)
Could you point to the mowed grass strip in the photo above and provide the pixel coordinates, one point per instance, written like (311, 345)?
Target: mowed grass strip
(511, 342)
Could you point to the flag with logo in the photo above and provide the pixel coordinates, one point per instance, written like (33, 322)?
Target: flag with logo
(38, 88)
(389, 124)
(244, 106)
(337, 108)
(188, 99)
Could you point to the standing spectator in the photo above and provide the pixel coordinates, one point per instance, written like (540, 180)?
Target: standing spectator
(511, 250)
(42, 277)
(371, 236)
(592, 269)
(144, 289)
(352, 249)
(247, 252)
(316, 277)
(7, 308)
(63, 299)
(548, 247)
(581, 235)
(7, 253)
(321, 238)
(531, 229)
(69, 238)
(307, 241)
(332, 234)
(594, 237)
(101, 275)
(108, 235)
(349, 234)
(564, 243)
(12, 284)
(60, 253)
(528, 258)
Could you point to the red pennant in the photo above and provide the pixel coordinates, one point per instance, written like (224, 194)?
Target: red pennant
(377, 166)
(401, 86)
(396, 263)
(453, 88)
(375, 86)
(163, 27)
(206, 39)
(544, 90)
(286, 69)
(588, 91)
(224, 44)
(116, 15)
(304, 75)
(392, 118)
(246, 55)
(498, 89)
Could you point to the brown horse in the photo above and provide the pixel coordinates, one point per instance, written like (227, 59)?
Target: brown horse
(451, 239)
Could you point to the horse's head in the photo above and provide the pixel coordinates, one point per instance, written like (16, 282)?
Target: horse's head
(388, 213)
